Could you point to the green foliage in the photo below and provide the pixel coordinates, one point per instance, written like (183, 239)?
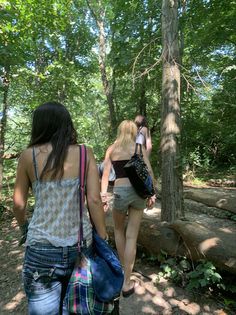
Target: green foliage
(51, 51)
(175, 269)
(202, 277)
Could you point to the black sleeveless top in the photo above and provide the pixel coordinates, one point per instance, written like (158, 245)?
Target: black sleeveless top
(119, 168)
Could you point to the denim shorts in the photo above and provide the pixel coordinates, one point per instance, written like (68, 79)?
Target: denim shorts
(126, 197)
(46, 273)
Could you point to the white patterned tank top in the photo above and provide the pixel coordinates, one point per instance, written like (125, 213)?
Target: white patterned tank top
(56, 213)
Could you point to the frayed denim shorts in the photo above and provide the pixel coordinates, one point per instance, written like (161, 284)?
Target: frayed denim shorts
(126, 197)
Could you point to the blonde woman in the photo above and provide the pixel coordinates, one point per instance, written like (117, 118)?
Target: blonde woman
(125, 199)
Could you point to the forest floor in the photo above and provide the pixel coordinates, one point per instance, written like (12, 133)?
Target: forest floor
(151, 297)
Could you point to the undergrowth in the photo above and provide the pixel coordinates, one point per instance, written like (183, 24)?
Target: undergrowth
(201, 276)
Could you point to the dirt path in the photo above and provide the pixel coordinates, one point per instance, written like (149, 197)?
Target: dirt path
(165, 298)
(161, 299)
(12, 297)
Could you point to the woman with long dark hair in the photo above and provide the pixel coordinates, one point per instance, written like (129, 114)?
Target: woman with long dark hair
(50, 166)
(143, 134)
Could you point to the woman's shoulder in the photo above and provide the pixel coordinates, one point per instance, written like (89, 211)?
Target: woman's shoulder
(89, 149)
(143, 130)
(26, 154)
(111, 148)
(25, 158)
(123, 152)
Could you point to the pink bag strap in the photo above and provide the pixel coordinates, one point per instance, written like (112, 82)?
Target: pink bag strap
(81, 195)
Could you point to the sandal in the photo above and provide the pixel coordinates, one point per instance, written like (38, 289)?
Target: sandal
(129, 292)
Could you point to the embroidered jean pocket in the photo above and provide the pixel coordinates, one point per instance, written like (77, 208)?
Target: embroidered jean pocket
(38, 280)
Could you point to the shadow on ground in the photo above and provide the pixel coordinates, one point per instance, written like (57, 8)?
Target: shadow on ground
(149, 298)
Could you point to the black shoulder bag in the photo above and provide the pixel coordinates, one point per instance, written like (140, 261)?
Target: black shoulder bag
(138, 174)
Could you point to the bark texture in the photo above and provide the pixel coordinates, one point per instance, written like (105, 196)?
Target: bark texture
(3, 121)
(99, 16)
(172, 187)
(218, 198)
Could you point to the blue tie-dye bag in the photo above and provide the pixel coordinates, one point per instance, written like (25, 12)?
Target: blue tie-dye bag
(97, 277)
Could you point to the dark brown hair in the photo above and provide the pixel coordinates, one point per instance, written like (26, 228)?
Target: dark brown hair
(141, 121)
(52, 123)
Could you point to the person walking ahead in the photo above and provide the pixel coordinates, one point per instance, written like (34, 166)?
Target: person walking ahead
(50, 165)
(125, 199)
(143, 134)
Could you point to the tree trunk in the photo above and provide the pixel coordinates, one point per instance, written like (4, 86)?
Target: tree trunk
(172, 184)
(143, 99)
(100, 18)
(105, 82)
(3, 123)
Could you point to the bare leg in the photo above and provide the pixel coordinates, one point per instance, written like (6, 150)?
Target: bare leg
(119, 231)
(133, 225)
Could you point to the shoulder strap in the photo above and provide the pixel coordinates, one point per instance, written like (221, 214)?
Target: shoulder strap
(139, 129)
(82, 167)
(35, 165)
(82, 171)
(138, 145)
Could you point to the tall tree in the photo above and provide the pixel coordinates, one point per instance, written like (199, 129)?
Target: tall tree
(3, 120)
(172, 188)
(98, 12)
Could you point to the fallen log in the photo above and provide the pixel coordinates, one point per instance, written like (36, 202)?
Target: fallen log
(186, 238)
(219, 198)
(215, 245)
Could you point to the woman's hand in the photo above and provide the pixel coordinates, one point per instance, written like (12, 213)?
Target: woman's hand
(104, 201)
(151, 202)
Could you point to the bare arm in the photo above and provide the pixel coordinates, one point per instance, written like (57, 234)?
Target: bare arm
(148, 141)
(106, 171)
(93, 196)
(149, 144)
(21, 189)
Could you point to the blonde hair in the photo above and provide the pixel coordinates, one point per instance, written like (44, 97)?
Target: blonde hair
(126, 133)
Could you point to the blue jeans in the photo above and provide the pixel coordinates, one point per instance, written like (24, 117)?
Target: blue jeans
(46, 272)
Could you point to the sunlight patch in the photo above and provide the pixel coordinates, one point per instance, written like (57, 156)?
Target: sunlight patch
(226, 230)
(221, 203)
(160, 302)
(170, 292)
(148, 310)
(153, 276)
(15, 301)
(19, 268)
(208, 244)
(15, 252)
(194, 307)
